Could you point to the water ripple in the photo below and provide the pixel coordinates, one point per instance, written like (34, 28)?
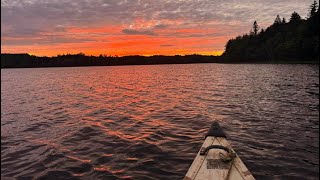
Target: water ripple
(148, 122)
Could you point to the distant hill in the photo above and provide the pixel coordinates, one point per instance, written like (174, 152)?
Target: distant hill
(293, 41)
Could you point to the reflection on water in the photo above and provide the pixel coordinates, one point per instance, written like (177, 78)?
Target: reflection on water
(148, 122)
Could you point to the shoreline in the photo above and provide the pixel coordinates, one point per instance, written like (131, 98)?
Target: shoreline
(15, 61)
(253, 63)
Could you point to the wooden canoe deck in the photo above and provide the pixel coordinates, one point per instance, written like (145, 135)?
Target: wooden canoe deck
(211, 166)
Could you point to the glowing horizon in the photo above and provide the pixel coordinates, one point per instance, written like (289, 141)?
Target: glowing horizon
(135, 27)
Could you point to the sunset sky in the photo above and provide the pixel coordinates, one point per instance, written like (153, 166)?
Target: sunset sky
(133, 27)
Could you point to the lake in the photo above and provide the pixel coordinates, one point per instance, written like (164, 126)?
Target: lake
(148, 122)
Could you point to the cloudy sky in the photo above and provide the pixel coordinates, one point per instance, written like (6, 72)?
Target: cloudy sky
(133, 27)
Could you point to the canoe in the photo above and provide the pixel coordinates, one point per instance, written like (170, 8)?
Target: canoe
(216, 159)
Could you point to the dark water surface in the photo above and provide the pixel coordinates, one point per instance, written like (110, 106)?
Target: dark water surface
(148, 122)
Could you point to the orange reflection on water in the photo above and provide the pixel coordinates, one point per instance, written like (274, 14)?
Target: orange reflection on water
(107, 155)
(107, 169)
(128, 137)
(78, 159)
(78, 175)
(131, 116)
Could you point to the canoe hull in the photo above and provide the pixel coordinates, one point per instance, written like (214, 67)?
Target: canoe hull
(211, 166)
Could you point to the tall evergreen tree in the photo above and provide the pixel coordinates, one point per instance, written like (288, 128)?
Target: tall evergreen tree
(284, 21)
(313, 9)
(277, 20)
(255, 28)
(295, 17)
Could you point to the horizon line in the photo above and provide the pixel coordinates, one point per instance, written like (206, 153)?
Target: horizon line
(218, 54)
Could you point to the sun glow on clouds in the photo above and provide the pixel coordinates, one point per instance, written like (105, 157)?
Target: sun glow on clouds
(135, 27)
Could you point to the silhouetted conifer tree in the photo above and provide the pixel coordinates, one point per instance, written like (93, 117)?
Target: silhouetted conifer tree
(277, 20)
(284, 20)
(313, 9)
(255, 28)
(295, 17)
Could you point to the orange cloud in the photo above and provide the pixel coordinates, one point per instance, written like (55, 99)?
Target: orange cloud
(110, 40)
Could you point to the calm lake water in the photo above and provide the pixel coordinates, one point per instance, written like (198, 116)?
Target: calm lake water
(148, 122)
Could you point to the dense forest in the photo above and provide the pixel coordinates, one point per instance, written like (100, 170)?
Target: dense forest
(293, 41)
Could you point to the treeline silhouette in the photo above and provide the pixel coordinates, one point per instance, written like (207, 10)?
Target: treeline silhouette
(70, 60)
(293, 41)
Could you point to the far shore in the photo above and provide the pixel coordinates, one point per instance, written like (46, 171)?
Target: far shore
(81, 60)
